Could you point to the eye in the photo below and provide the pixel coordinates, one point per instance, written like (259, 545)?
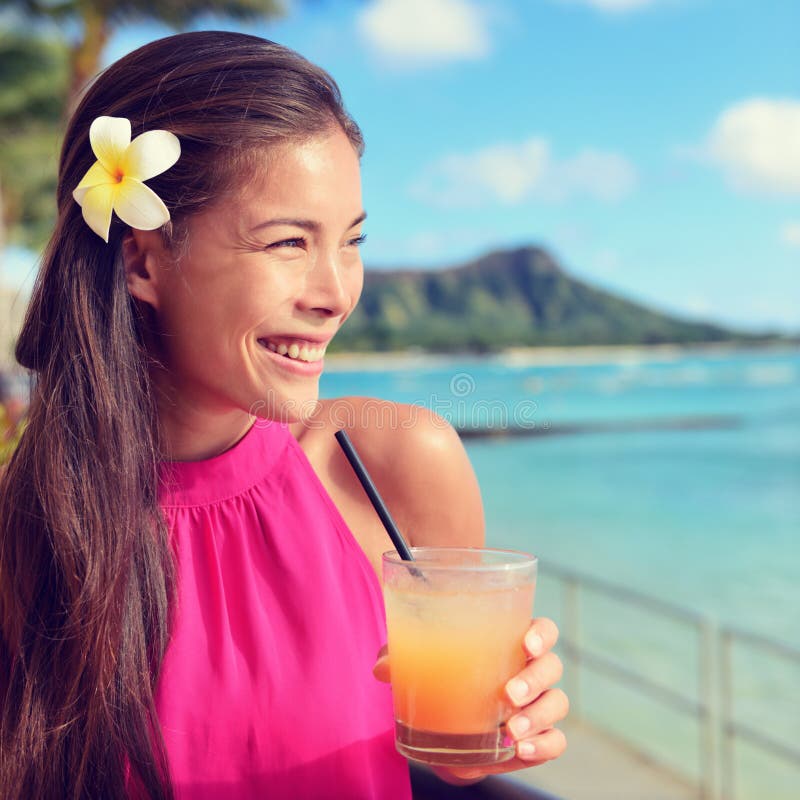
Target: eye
(290, 243)
(357, 241)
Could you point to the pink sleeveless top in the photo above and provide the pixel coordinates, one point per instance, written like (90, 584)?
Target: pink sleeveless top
(266, 689)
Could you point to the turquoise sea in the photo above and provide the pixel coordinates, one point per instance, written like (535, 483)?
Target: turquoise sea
(675, 473)
(707, 518)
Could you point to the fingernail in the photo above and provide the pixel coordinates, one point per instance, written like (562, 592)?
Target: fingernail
(534, 644)
(519, 726)
(526, 749)
(517, 690)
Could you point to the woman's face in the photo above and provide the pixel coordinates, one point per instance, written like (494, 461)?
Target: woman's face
(268, 277)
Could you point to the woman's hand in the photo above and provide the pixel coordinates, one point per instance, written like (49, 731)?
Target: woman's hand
(538, 707)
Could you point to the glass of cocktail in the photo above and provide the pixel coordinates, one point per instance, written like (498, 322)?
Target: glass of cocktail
(457, 618)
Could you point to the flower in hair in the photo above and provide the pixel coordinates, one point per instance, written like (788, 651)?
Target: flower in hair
(115, 182)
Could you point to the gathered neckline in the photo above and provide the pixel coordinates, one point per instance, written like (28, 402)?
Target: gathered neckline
(253, 457)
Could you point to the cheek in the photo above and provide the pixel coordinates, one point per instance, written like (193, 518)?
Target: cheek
(200, 331)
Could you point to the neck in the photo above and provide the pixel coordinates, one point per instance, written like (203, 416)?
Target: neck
(187, 442)
(195, 435)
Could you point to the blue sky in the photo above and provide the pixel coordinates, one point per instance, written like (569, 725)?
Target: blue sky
(652, 145)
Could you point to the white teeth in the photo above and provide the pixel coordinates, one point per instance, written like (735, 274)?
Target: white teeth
(298, 352)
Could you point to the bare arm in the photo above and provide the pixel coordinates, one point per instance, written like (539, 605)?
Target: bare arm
(433, 487)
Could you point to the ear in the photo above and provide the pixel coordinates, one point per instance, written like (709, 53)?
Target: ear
(144, 257)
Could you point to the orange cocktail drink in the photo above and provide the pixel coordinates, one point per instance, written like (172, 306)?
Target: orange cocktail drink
(457, 618)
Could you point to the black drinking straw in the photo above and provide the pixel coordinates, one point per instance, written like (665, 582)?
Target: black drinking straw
(377, 501)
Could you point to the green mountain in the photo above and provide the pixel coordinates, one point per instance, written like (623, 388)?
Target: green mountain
(506, 298)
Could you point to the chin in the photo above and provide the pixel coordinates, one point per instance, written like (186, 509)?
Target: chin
(286, 407)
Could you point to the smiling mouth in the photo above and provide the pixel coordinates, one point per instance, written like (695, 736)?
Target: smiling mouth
(296, 352)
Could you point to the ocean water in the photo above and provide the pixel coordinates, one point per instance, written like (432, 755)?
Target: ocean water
(705, 515)
(707, 518)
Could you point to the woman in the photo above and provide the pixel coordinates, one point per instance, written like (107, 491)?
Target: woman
(188, 600)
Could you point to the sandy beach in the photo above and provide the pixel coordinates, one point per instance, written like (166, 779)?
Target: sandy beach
(545, 356)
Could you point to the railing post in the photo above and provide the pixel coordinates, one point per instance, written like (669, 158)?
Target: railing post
(572, 630)
(709, 732)
(728, 782)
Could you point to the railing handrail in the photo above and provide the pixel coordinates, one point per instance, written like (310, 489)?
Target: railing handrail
(672, 609)
(625, 593)
(760, 640)
(767, 743)
(668, 697)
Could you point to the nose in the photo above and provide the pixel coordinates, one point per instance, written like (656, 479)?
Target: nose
(326, 290)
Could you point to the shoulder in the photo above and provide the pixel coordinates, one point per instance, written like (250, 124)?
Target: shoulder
(392, 435)
(419, 464)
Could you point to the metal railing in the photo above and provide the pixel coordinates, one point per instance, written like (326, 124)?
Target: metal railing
(733, 731)
(711, 706)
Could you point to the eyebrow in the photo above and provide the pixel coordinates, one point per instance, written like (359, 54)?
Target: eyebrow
(305, 224)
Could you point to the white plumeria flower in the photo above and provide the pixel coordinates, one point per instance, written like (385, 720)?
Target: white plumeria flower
(115, 181)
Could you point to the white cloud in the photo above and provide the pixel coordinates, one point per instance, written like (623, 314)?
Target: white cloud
(424, 31)
(790, 234)
(613, 6)
(756, 143)
(514, 173)
(606, 176)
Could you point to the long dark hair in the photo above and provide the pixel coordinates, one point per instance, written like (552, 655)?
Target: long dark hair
(86, 572)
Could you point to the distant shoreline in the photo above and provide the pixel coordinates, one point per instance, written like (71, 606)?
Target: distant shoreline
(548, 356)
(568, 355)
